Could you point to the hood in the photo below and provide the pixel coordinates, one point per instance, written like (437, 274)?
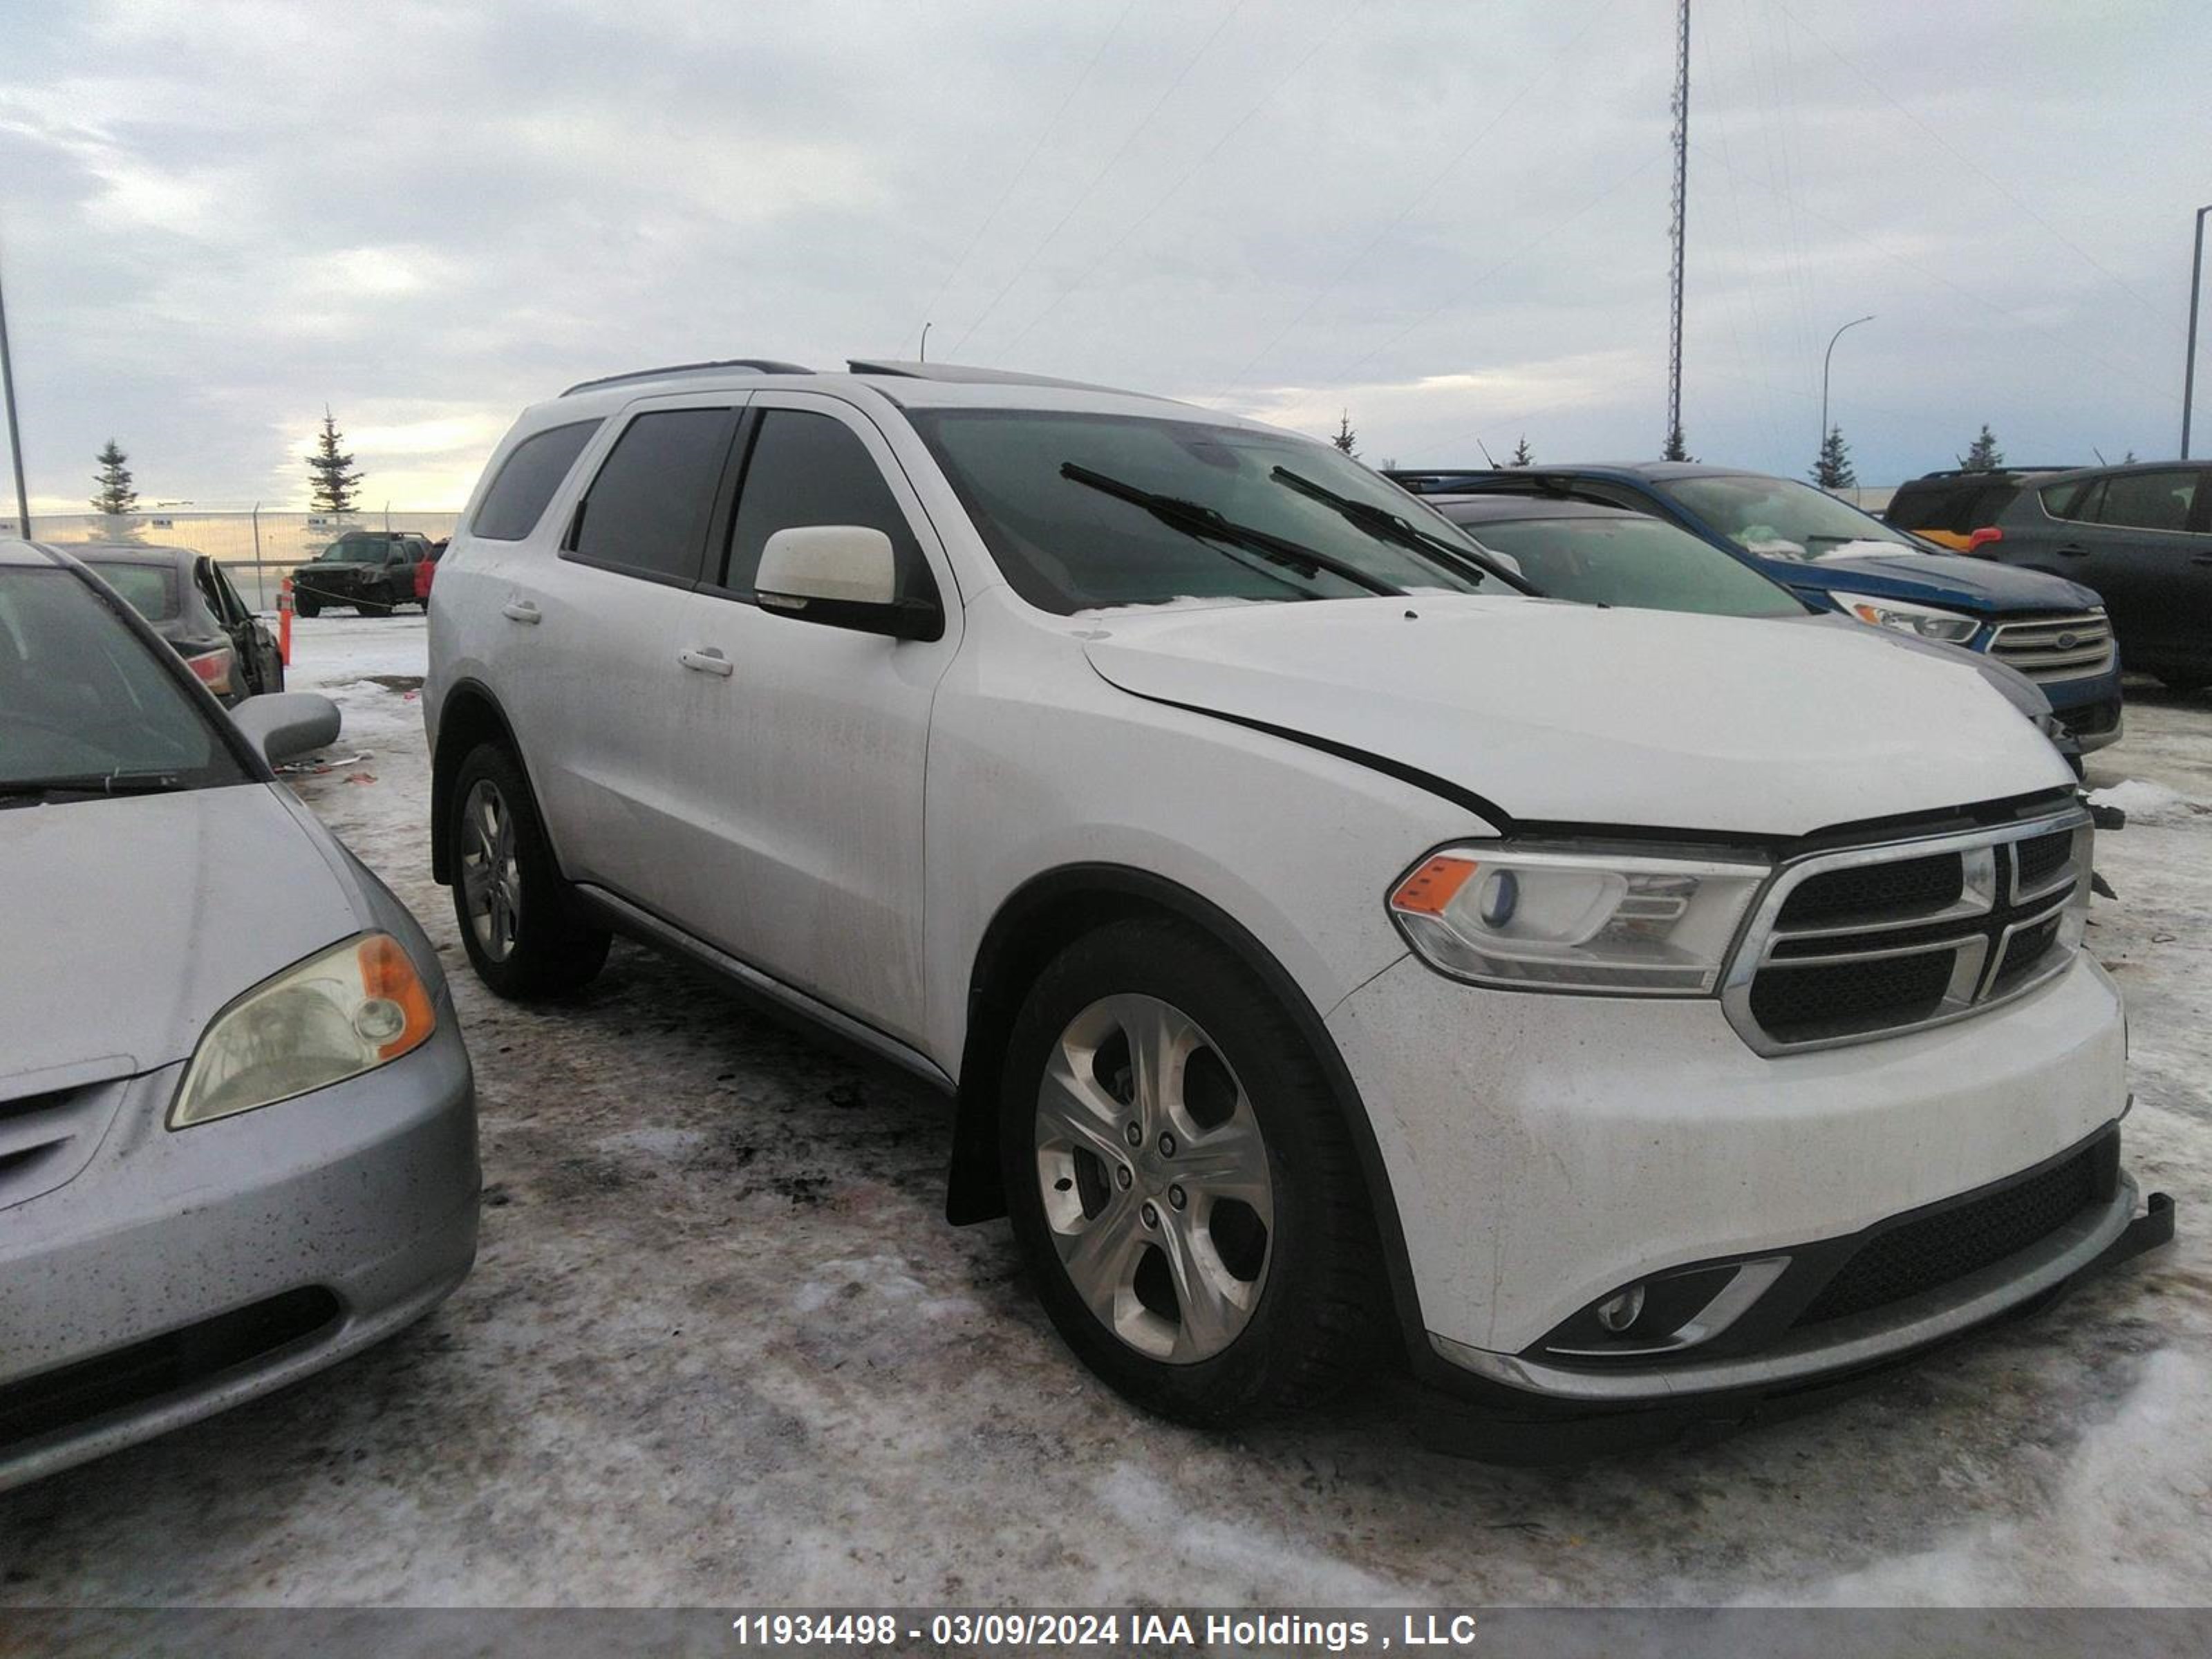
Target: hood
(1572, 713)
(132, 921)
(1945, 579)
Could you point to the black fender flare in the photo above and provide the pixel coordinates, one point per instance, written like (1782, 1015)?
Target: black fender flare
(974, 1190)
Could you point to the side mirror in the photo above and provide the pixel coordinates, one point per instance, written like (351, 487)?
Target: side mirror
(843, 576)
(283, 724)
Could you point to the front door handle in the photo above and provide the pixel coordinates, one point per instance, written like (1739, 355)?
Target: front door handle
(708, 660)
(521, 610)
(2073, 550)
(2201, 558)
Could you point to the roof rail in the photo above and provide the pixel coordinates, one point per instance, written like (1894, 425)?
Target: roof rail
(2009, 467)
(967, 374)
(758, 365)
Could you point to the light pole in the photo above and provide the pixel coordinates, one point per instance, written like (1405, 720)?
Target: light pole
(2189, 369)
(14, 431)
(1825, 362)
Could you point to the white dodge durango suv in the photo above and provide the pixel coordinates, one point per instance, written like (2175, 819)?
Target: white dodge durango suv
(1329, 947)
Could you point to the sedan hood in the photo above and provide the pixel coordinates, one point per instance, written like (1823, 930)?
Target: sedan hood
(1572, 713)
(1948, 580)
(132, 921)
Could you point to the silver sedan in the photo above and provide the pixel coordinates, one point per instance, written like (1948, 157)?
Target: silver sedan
(237, 1121)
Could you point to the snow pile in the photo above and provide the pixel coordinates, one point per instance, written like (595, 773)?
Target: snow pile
(2145, 802)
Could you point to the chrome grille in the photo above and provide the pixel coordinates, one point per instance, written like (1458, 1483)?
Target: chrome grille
(1871, 941)
(2055, 648)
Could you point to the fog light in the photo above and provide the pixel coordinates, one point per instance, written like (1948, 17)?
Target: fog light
(1618, 1313)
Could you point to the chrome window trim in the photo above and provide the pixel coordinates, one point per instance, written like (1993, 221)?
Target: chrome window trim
(1975, 961)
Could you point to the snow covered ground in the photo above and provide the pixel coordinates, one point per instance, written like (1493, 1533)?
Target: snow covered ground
(721, 1348)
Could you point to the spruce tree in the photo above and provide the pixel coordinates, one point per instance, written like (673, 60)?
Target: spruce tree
(1677, 449)
(116, 496)
(1833, 469)
(1983, 456)
(1345, 438)
(333, 484)
(1522, 455)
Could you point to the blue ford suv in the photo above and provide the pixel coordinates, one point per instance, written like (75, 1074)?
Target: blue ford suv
(2053, 630)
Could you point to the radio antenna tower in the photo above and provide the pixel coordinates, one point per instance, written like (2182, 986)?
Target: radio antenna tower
(1681, 106)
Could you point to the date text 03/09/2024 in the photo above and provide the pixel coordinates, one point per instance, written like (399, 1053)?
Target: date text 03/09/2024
(1069, 1629)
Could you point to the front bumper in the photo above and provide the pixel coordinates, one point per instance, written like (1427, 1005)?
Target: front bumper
(1561, 1147)
(361, 1196)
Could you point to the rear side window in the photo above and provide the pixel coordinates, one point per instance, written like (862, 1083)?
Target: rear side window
(517, 498)
(647, 509)
(808, 469)
(2148, 500)
(148, 589)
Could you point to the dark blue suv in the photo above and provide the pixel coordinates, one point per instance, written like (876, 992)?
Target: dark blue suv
(2053, 630)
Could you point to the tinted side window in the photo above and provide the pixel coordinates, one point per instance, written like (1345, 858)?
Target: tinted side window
(646, 511)
(809, 468)
(2148, 500)
(517, 498)
(2072, 501)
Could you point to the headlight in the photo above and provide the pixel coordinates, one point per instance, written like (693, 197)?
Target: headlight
(1541, 920)
(350, 1010)
(1948, 626)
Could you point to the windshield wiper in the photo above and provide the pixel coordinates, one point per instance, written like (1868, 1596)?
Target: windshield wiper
(91, 783)
(1386, 526)
(1196, 518)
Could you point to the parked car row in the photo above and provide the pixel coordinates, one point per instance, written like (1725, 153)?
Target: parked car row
(1342, 957)
(2056, 632)
(2140, 535)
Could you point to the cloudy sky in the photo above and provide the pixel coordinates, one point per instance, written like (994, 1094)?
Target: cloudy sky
(216, 216)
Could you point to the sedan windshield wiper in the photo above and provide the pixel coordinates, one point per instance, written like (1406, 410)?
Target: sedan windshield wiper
(1196, 518)
(90, 783)
(1386, 526)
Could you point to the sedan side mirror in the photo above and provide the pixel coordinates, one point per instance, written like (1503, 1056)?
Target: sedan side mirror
(283, 724)
(844, 576)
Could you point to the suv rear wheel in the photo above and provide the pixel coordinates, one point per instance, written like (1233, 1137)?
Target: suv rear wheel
(1181, 1181)
(520, 923)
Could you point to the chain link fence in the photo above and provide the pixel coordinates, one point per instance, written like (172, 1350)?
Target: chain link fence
(256, 547)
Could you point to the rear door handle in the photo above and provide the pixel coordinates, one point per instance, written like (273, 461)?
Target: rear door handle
(2073, 552)
(521, 610)
(2201, 558)
(708, 660)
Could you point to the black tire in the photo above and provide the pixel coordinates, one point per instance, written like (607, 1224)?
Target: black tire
(372, 607)
(2183, 684)
(307, 604)
(1314, 1325)
(547, 946)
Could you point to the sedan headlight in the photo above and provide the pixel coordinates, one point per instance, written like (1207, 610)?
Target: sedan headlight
(354, 1007)
(1919, 620)
(1537, 919)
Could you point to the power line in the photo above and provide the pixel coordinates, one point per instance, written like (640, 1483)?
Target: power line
(1163, 199)
(1421, 196)
(1529, 246)
(1972, 166)
(1028, 161)
(1111, 162)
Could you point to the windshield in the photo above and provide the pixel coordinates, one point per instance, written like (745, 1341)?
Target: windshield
(352, 550)
(150, 588)
(1782, 519)
(1087, 511)
(1635, 562)
(82, 698)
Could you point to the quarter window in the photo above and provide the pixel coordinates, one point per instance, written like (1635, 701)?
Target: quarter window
(808, 469)
(646, 511)
(517, 498)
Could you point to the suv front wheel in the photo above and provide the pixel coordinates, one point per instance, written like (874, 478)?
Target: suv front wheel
(1181, 1181)
(518, 920)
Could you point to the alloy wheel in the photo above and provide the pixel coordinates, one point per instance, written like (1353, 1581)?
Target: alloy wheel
(1155, 1178)
(491, 879)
